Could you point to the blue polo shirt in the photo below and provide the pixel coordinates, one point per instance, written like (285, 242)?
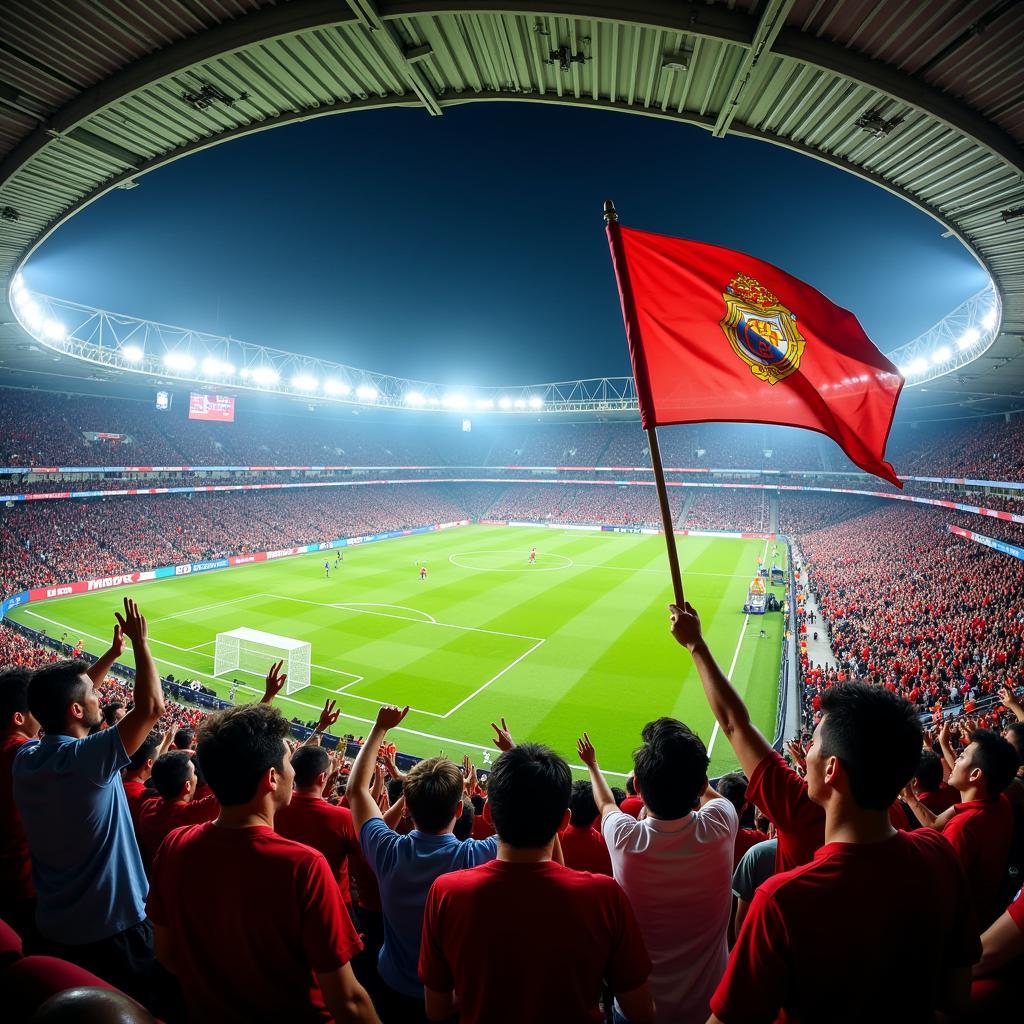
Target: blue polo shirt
(406, 867)
(86, 866)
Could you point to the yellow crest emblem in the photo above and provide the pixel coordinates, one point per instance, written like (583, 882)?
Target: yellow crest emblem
(761, 331)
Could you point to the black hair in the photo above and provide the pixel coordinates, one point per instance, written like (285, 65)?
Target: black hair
(170, 773)
(13, 694)
(51, 689)
(929, 771)
(1014, 733)
(582, 805)
(478, 803)
(620, 795)
(464, 822)
(309, 762)
(996, 758)
(238, 746)
(529, 795)
(877, 737)
(183, 738)
(109, 712)
(734, 788)
(148, 749)
(395, 789)
(671, 768)
(630, 784)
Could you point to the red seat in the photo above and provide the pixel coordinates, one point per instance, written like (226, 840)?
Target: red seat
(10, 945)
(30, 981)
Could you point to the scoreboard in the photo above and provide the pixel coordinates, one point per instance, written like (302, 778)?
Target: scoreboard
(211, 407)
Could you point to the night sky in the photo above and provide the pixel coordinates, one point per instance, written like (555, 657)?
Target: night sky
(470, 248)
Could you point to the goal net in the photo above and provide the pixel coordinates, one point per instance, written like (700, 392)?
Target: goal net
(252, 651)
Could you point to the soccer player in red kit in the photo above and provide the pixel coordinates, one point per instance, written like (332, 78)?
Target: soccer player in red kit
(533, 555)
(423, 574)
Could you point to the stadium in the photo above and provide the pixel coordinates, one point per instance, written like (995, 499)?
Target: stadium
(345, 671)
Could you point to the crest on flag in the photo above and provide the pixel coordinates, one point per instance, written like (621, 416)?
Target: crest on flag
(761, 331)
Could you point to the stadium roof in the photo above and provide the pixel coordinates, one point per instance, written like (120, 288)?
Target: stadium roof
(924, 99)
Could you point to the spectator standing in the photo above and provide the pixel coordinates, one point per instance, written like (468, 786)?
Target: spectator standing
(675, 866)
(17, 727)
(583, 847)
(406, 866)
(980, 827)
(140, 769)
(526, 975)
(270, 918)
(88, 874)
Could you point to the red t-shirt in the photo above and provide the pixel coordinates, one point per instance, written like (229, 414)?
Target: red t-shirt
(981, 831)
(159, 817)
(15, 861)
(312, 820)
(266, 918)
(799, 822)
(632, 805)
(828, 941)
(939, 800)
(584, 849)
(589, 931)
(745, 839)
(137, 793)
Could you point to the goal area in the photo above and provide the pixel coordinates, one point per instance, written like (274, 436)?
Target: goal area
(252, 651)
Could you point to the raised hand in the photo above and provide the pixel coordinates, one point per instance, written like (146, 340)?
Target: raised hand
(391, 766)
(588, 755)
(797, 753)
(377, 789)
(132, 624)
(469, 773)
(117, 643)
(328, 716)
(685, 625)
(275, 682)
(389, 716)
(502, 737)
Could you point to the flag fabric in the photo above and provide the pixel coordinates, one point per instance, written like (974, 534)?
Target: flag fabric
(716, 335)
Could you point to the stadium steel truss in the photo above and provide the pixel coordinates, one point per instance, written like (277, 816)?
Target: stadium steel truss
(924, 99)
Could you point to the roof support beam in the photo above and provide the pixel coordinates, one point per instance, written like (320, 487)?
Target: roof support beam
(773, 17)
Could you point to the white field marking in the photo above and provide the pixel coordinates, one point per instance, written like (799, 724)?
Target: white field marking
(445, 625)
(344, 715)
(203, 608)
(735, 658)
(357, 606)
(493, 679)
(568, 564)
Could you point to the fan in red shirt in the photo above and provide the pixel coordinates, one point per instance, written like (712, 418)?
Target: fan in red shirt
(270, 938)
(828, 941)
(174, 778)
(310, 819)
(928, 784)
(774, 787)
(980, 828)
(17, 726)
(734, 788)
(583, 847)
(995, 989)
(513, 976)
(140, 768)
(633, 804)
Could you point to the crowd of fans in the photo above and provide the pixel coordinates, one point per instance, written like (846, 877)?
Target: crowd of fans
(713, 509)
(572, 504)
(993, 450)
(222, 873)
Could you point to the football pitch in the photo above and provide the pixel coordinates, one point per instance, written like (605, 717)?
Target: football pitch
(578, 641)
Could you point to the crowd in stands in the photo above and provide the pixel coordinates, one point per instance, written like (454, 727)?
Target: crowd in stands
(802, 513)
(221, 873)
(991, 450)
(567, 503)
(713, 509)
(906, 605)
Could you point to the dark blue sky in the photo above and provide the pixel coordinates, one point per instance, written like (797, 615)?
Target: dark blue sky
(470, 248)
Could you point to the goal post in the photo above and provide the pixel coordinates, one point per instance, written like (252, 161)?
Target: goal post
(253, 652)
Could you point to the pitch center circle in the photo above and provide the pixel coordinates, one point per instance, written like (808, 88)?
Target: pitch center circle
(504, 561)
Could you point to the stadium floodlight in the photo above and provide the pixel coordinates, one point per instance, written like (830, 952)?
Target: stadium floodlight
(305, 382)
(55, 330)
(520, 403)
(132, 353)
(455, 401)
(179, 361)
(32, 313)
(536, 401)
(414, 398)
(504, 402)
(484, 403)
(366, 393)
(919, 365)
(244, 374)
(265, 375)
(336, 387)
(941, 355)
(433, 400)
(214, 367)
(989, 320)
(968, 338)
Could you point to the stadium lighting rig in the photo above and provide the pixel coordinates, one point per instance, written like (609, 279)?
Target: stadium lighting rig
(132, 353)
(305, 382)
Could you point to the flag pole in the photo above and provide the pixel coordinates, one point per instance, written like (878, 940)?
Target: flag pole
(643, 390)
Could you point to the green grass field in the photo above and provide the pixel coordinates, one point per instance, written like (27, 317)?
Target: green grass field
(577, 642)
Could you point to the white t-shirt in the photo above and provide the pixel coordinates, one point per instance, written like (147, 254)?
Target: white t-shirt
(678, 877)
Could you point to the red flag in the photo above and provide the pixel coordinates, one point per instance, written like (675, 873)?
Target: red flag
(716, 335)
